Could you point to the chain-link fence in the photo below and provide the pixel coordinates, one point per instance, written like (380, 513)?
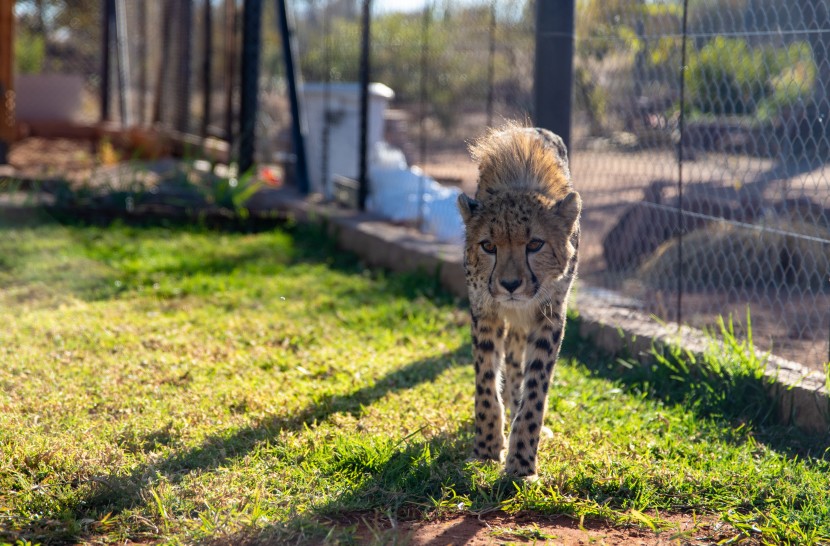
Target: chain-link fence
(451, 68)
(177, 65)
(170, 64)
(706, 188)
(57, 59)
(698, 139)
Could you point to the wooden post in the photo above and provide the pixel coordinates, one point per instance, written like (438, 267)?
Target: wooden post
(7, 122)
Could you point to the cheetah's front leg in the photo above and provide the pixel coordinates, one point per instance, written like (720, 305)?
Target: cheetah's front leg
(514, 358)
(488, 342)
(542, 350)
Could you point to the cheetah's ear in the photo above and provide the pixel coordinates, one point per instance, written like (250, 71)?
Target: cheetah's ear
(467, 207)
(569, 208)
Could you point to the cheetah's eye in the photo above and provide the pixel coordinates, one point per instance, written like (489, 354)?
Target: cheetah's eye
(535, 245)
(488, 247)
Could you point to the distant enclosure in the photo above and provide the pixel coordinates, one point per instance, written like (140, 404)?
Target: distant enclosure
(699, 129)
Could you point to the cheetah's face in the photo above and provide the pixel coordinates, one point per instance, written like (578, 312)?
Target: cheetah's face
(518, 244)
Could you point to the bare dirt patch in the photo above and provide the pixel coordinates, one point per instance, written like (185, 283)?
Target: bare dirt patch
(531, 528)
(41, 158)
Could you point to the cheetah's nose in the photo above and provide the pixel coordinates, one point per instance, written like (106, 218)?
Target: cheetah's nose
(511, 286)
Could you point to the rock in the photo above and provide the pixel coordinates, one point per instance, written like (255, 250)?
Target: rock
(646, 225)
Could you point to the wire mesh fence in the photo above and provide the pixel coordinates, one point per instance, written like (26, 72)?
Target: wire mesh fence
(699, 132)
(700, 149)
(172, 64)
(177, 65)
(57, 46)
(453, 67)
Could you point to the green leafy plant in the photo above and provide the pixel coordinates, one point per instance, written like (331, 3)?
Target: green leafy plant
(232, 193)
(29, 52)
(728, 77)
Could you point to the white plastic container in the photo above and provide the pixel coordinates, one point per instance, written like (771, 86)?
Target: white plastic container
(344, 129)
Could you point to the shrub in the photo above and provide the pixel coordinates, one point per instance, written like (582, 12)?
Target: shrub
(727, 77)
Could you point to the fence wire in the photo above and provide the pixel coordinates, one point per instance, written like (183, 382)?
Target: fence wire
(714, 212)
(182, 70)
(173, 64)
(57, 47)
(728, 210)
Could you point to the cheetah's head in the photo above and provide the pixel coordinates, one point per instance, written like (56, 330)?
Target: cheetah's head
(518, 243)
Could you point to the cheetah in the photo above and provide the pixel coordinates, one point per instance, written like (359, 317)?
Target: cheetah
(520, 259)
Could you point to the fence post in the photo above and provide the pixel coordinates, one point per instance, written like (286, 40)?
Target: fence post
(681, 220)
(365, 69)
(426, 18)
(298, 132)
(251, 31)
(231, 51)
(162, 72)
(7, 120)
(207, 66)
(122, 63)
(491, 64)
(142, 63)
(553, 71)
(184, 51)
(107, 24)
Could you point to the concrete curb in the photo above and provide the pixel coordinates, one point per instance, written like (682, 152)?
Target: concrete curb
(611, 325)
(605, 319)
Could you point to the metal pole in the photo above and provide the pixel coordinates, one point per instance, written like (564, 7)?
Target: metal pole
(553, 74)
(327, 111)
(422, 100)
(142, 63)
(122, 63)
(681, 224)
(491, 65)
(161, 69)
(251, 33)
(107, 25)
(184, 51)
(365, 70)
(207, 66)
(298, 130)
(230, 67)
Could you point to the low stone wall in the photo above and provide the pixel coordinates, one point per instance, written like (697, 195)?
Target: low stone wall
(605, 319)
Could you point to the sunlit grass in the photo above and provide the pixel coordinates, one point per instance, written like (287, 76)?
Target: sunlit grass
(183, 385)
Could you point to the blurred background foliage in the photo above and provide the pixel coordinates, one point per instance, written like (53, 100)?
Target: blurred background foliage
(634, 47)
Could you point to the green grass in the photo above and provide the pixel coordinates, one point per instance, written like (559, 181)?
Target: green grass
(183, 385)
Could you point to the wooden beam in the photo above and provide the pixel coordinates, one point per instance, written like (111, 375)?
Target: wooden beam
(7, 120)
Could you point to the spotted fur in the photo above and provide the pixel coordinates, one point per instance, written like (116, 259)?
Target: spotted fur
(522, 236)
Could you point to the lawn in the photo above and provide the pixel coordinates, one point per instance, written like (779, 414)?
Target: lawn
(180, 385)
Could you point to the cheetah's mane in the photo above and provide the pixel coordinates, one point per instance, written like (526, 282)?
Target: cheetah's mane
(514, 157)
